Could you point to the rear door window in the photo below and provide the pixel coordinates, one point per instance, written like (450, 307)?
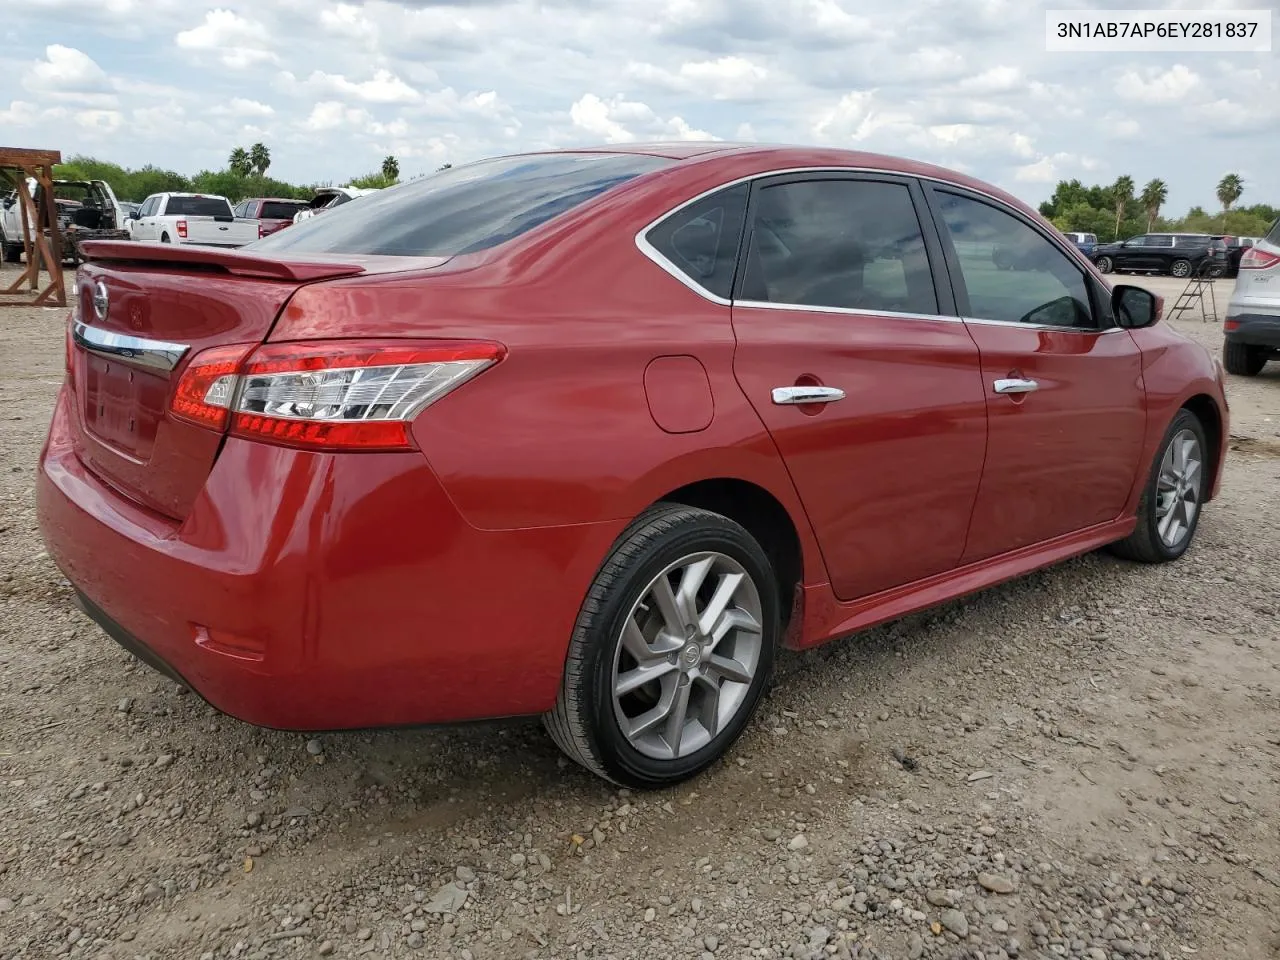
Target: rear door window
(844, 243)
(464, 209)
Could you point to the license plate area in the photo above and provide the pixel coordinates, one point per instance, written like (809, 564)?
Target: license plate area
(122, 404)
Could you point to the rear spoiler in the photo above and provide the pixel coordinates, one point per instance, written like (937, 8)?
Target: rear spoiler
(230, 261)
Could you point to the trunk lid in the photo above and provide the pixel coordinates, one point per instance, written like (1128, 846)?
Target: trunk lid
(143, 313)
(220, 231)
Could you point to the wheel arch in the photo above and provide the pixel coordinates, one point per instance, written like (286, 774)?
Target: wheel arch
(1211, 418)
(762, 515)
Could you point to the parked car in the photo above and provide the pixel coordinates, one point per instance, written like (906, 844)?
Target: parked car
(592, 434)
(191, 218)
(85, 209)
(1252, 327)
(1236, 249)
(1175, 254)
(271, 213)
(1085, 242)
(327, 198)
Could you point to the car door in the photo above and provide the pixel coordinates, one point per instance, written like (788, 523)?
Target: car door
(1133, 254)
(850, 352)
(1063, 384)
(145, 228)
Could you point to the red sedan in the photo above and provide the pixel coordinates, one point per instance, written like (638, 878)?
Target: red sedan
(592, 434)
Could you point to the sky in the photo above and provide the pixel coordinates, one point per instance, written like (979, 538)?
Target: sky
(333, 87)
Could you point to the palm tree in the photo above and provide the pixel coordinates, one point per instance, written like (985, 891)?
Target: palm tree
(1229, 189)
(240, 163)
(391, 169)
(1154, 194)
(260, 157)
(1121, 193)
(443, 166)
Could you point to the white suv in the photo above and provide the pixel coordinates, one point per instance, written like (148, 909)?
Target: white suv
(1252, 326)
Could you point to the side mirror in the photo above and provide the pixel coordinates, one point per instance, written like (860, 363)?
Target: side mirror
(1135, 307)
(135, 215)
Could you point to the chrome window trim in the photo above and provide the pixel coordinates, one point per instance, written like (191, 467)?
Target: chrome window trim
(160, 356)
(653, 254)
(848, 311)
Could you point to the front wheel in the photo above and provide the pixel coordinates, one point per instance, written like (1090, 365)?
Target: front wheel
(671, 652)
(1169, 510)
(1180, 268)
(1105, 264)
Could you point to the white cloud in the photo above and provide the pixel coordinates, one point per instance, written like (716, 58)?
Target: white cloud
(239, 43)
(332, 115)
(383, 87)
(625, 121)
(994, 80)
(66, 70)
(1157, 86)
(241, 107)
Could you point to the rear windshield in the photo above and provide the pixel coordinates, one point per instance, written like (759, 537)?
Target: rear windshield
(197, 207)
(463, 209)
(277, 210)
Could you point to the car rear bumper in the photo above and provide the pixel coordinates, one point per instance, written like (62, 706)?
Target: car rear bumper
(313, 591)
(1253, 329)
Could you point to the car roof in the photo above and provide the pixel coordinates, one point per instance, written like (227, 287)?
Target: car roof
(756, 159)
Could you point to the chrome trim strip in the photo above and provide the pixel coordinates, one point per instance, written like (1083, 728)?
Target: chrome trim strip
(1038, 326)
(800, 395)
(649, 251)
(156, 355)
(850, 311)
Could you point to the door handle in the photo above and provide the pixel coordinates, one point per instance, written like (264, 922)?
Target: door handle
(1015, 385)
(798, 395)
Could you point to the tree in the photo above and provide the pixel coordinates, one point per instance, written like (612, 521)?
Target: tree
(260, 158)
(391, 169)
(1121, 194)
(443, 166)
(240, 163)
(1154, 194)
(1229, 189)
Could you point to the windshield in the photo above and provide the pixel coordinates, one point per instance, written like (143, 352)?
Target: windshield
(463, 209)
(280, 210)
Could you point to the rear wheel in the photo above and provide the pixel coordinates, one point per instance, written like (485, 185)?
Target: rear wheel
(1169, 511)
(1104, 264)
(1180, 268)
(12, 251)
(1242, 359)
(164, 238)
(672, 650)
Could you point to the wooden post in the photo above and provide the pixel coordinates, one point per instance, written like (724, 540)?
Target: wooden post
(41, 239)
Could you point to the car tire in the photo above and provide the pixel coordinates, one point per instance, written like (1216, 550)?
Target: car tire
(634, 624)
(1170, 487)
(1104, 264)
(1180, 269)
(12, 253)
(164, 238)
(1242, 359)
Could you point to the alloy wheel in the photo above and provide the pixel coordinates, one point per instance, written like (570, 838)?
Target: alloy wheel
(687, 654)
(1178, 488)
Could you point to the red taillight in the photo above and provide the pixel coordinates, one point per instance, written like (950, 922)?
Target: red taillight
(261, 231)
(1255, 259)
(1231, 325)
(182, 229)
(326, 395)
(204, 393)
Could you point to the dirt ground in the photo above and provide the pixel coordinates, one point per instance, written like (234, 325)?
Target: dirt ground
(1085, 763)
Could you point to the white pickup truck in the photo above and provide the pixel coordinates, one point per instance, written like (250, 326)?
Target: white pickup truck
(191, 218)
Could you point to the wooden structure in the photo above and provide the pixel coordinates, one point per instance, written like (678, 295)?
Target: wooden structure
(41, 239)
(1193, 294)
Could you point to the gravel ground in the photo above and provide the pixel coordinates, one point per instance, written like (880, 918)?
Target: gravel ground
(1084, 763)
